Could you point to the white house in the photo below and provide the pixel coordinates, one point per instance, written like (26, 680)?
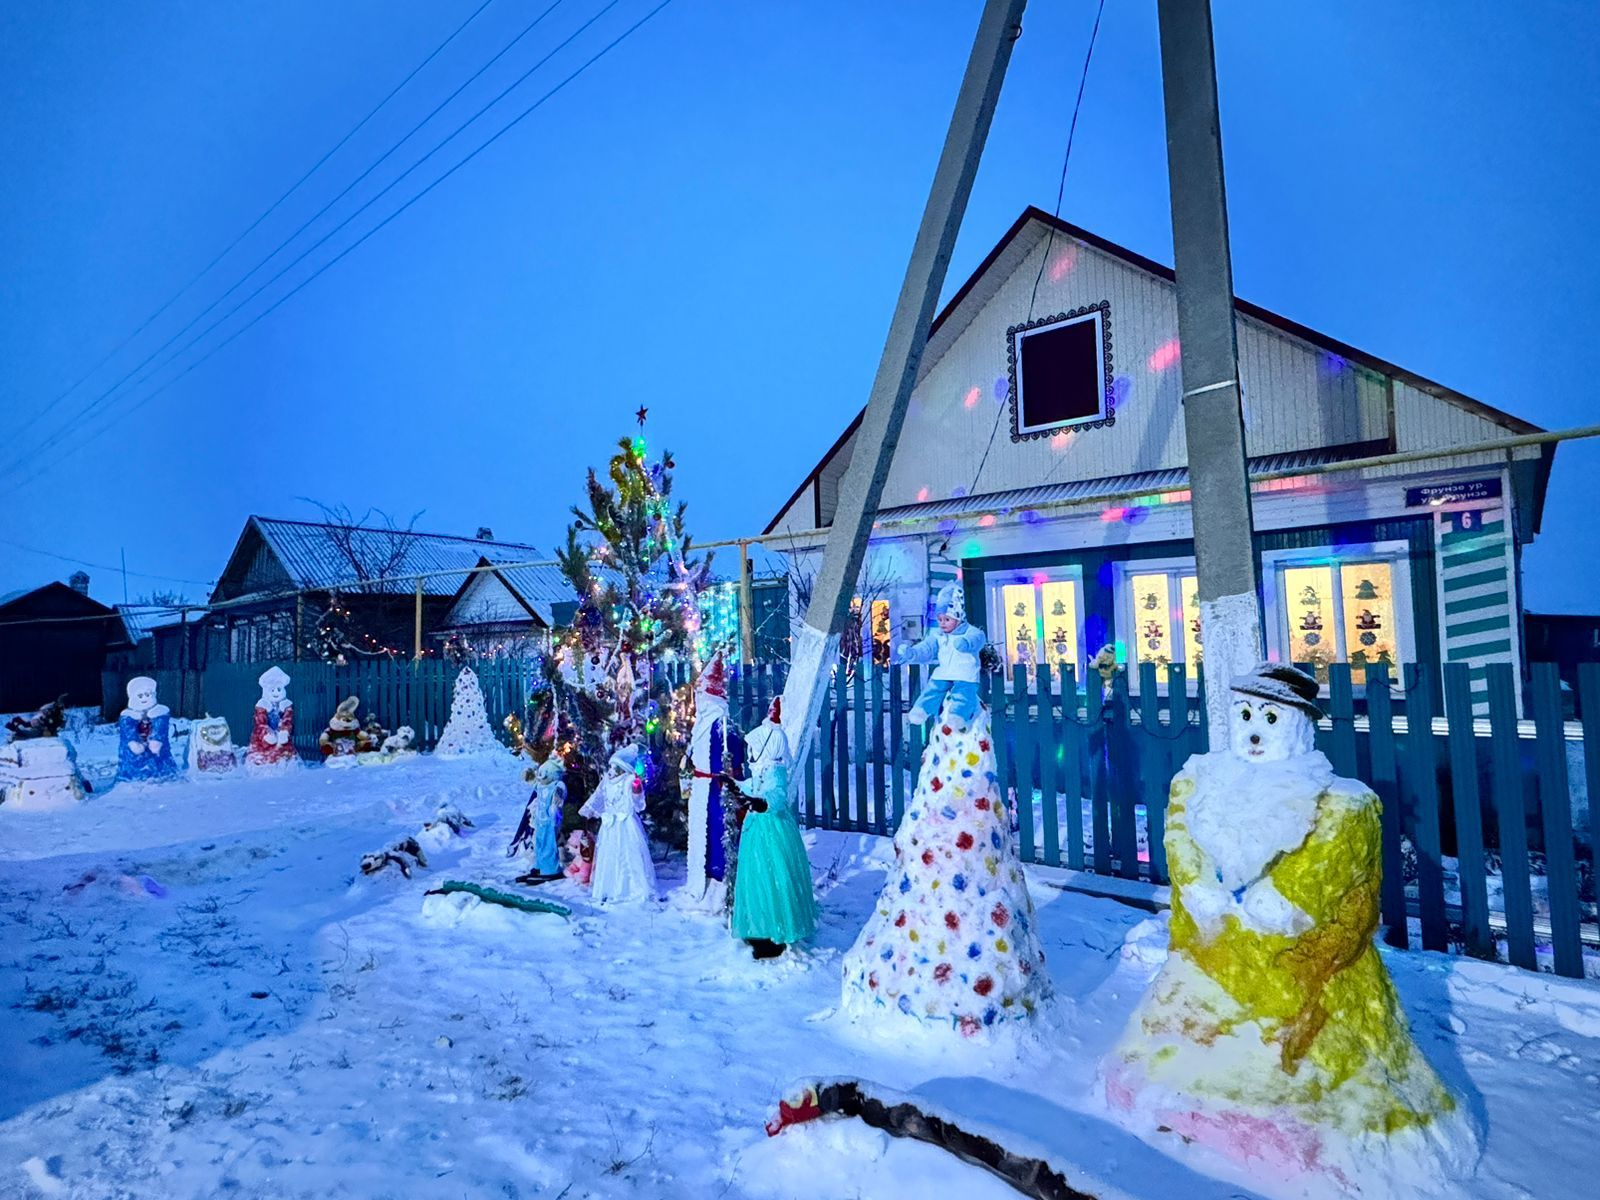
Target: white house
(1043, 457)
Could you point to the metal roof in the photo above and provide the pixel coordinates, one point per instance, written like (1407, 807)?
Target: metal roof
(1173, 479)
(312, 555)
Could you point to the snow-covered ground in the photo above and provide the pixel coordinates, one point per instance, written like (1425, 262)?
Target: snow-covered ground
(227, 1007)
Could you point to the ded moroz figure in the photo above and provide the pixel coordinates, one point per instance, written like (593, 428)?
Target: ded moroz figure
(272, 725)
(144, 730)
(716, 750)
(954, 650)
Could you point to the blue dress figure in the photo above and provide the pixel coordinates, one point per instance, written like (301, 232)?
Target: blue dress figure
(716, 749)
(144, 732)
(953, 684)
(540, 830)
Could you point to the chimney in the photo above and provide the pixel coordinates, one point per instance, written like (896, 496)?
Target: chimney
(485, 534)
(78, 581)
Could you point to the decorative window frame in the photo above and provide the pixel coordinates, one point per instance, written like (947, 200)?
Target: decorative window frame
(1107, 416)
(1275, 601)
(994, 581)
(1122, 598)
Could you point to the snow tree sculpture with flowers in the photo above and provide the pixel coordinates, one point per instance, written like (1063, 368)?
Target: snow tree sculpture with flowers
(1272, 1034)
(628, 558)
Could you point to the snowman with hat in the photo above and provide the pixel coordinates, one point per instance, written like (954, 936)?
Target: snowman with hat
(1272, 1034)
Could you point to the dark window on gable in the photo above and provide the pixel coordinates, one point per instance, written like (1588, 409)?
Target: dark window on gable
(1060, 373)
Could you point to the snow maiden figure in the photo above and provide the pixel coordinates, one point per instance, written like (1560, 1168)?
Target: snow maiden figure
(144, 732)
(1272, 1034)
(716, 749)
(951, 941)
(540, 831)
(623, 869)
(954, 650)
(773, 902)
(272, 728)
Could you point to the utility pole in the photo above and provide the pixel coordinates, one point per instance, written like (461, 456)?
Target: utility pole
(816, 645)
(1209, 356)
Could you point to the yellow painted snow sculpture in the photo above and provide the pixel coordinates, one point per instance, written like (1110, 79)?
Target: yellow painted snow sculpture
(1272, 1033)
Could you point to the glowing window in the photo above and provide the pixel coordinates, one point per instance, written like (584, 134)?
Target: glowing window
(1344, 610)
(1038, 616)
(1158, 606)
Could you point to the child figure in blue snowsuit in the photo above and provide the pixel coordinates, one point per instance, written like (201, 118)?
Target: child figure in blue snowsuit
(954, 649)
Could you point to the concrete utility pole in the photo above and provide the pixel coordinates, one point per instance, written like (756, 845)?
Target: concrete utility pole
(816, 645)
(1209, 356)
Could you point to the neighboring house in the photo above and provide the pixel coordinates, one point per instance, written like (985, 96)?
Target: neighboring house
(1043, 458)
(54, 641)
(283, 575)
(507, 610)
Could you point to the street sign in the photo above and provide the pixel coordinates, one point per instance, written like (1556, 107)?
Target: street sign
(1434, 494)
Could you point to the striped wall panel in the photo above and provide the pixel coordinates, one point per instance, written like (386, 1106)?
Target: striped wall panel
(1477, 592)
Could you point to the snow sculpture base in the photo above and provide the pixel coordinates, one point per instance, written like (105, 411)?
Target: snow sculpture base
(951, 941)
(38, 775)
(1272, 1034)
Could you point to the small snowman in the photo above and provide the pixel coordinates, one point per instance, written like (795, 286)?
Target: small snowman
(1272, 1033)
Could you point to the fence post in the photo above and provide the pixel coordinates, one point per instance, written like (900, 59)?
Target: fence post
(1022, 760)
(1555, 806)
(1097, 731)
(858, 752)
(1385, 776)
(1510, 816)
(416, 625)
(1071, 769)
(1121, 761)
(1423, 764)
(1049, 766)
(1468, 811)
(880, 818)
(1589, 699)
(897, 773)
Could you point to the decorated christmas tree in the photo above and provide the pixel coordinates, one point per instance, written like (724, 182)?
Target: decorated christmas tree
(627, 557)
(467, 731)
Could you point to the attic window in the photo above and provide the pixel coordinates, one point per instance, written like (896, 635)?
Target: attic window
(1061, 372)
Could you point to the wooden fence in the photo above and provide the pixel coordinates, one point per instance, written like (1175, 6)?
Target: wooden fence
(1480, 852)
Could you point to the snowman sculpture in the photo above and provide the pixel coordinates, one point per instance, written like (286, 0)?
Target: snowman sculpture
(272, 726)
(1272, 1033)
(144, 732)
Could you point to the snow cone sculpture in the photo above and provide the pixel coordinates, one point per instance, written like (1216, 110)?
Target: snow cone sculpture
(272, 726)
(951, 941)
(1272, 1033)
(144, 731)
(467, 731)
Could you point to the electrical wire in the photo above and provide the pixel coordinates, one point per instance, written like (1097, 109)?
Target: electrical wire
(101, 400)
(249, 229)
(83, 562)
(504, 129)
(1061, 191)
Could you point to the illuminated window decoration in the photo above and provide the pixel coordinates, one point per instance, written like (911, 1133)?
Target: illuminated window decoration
(1158, 606)
(1038, 618)
(1189, 615)
(1341, 610)
(718, 608)
(869, 633)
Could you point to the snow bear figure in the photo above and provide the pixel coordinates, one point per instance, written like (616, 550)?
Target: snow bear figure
(1272, 1033)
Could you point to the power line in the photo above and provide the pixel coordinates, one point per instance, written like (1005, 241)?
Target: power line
(83, 562)
(89, 409)
(251, 228)
(1061, 191)
(504, 129)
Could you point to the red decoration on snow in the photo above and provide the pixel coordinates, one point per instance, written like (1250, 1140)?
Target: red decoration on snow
(941, 973)
(1000, 915)
(963, 840)
(946, 730)
(984, 986)
(900, 921)
(937, 783)
(983, 743)
(981, 804)
(795, 1111)
(927, 858)
(951, 921)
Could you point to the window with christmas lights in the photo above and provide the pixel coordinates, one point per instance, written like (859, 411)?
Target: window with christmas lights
(1158, 617)
(1346, 605)
(1036, 617)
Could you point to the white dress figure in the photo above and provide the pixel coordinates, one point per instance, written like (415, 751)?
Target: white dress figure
(623, 869)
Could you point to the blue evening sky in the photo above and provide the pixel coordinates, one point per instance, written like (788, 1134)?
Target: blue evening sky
(713, 222)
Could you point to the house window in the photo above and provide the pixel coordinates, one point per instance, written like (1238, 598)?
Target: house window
(1036, 617)
(1060, 372)
(869, 632)
(1159, 608)
(1348, 605)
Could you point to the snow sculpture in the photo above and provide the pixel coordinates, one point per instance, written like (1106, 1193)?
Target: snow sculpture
(144, 733)
(393, 748)
(623, 869)
(951, 941)
(211, 747)
(339, 742)
(1272, 1032)
(773, 902)
(715, 749)
(540, 830)
(467, 731)
(580, 857)
(952, 687)
(272, 726)
(37, 774)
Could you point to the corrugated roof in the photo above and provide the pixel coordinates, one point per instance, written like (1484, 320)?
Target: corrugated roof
(314, 558)
(141, 621)
(1172, 479)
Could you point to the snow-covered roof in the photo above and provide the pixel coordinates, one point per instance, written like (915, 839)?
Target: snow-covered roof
(316, 555)
(141, 620)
